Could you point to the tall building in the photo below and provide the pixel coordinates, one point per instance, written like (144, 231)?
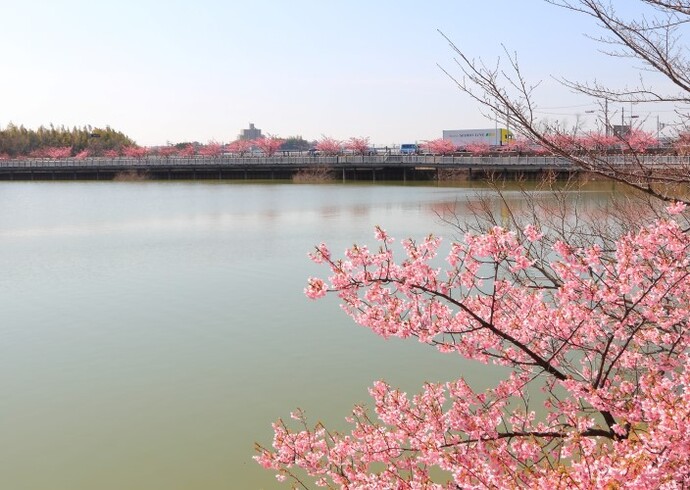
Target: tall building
(250, 134)
(621, 131)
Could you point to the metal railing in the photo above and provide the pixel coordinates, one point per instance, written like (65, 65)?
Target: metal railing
(341, 161)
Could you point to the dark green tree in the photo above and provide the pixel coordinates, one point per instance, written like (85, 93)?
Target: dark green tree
(295, 143)
(18, 141)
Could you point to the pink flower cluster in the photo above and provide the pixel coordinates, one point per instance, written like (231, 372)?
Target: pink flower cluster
(603, 334)
(329, 146)
(52, 152)
(439, 146)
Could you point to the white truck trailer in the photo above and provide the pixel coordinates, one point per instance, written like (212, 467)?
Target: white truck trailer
(491, 136)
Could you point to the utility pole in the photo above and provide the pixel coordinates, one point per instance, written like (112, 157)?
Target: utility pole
(590, 112)
(507, 119)
(606, 117)
(659, 127)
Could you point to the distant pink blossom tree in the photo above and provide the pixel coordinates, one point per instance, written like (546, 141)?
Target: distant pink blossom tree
(439, 146)
(211, 149)
(639, 141)
(605, 335)
(111, 153)
(240, 147)
(329, 146)
(567, 142)
(187, 151)
(518, 145)
(596, 141)
(52, 152)
(167, 151)
(358, 146)
(539, 150)
(58, 152)
(269, 145)
(478, 148)
(682, 144)
(135, 151)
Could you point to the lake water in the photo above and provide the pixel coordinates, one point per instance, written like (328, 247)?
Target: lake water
(151, 332)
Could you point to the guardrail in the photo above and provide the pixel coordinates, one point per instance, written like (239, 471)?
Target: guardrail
(339, 161)
(283, 161)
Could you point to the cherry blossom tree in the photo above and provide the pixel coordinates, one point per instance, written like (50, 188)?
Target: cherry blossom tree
(598, 142)
(358, 146)
(565, 141)
(187, 151)
(682, 144)
(111, 153)
(167, 151)
(596, 321)
(212, 149)
(329, 146)
(639, 141)
(601, 329)
(519, 146)
(539, 150)
(58, 152)
(52, 152)
(652, 34)
(240, 147)
(478, 148)
(439, 146)
(269, 145)
(135, 151)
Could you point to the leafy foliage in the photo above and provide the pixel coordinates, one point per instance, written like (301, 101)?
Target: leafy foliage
(18, 141)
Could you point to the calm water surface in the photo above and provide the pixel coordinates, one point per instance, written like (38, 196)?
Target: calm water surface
(151, 332)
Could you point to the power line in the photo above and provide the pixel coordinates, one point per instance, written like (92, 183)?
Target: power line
(567, 106)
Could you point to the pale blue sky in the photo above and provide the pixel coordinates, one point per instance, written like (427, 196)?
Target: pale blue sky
(181, 70)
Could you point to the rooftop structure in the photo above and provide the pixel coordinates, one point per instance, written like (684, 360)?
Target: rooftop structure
(250, 134)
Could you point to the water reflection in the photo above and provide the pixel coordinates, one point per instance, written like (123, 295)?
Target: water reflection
(151, 332)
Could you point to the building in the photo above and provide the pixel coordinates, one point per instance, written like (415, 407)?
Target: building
(621, 130)
(250, 134)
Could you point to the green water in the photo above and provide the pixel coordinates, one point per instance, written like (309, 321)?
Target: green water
(151, 332)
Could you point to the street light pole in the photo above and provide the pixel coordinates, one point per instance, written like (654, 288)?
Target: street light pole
(631, 115)
(659, 127)
(590, 112)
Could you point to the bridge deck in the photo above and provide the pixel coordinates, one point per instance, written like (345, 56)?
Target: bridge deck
(253, 167)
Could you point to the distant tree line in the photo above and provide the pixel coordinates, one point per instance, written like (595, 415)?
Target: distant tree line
(296, 143)
(18, 141)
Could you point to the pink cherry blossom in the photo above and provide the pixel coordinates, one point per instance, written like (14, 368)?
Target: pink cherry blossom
(478, 148)
(604, 336)
(135, 151)
(676, 208)
(269, 146)
(212, 149)
(358, 146)
(240, 147)
(187, 151)
(439, 146)
(329, 146)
